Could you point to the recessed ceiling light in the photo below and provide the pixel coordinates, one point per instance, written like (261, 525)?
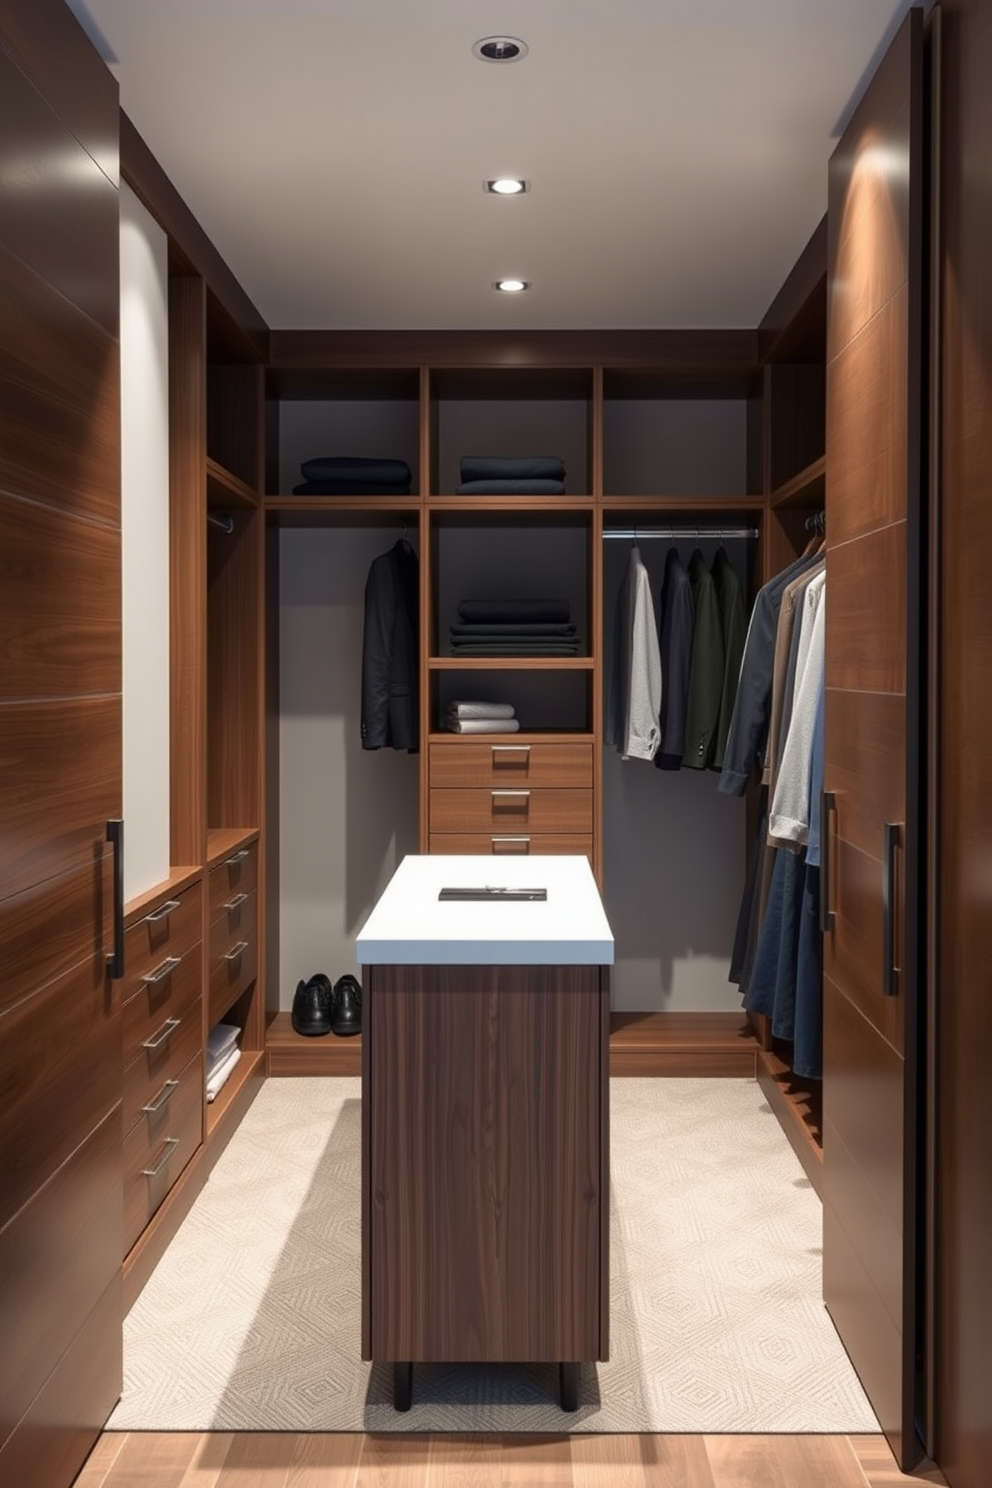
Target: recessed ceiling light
(511, 286)
(500, 49)
(506, 186)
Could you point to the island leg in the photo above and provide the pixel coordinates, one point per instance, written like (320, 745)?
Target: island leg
(403, 1385)
(569, 1386)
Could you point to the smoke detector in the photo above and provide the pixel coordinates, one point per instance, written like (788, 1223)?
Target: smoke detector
(500, 49)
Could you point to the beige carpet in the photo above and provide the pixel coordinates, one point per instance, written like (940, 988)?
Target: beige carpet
(251, 1320)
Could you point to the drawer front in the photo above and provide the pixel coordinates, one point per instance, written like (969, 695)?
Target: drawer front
(158, 1147)
(236, 876)
(523, 844)
(506, 763)
(233, 956)
(169, 930)
(169, 991)
(507, 810)
(169, 1051)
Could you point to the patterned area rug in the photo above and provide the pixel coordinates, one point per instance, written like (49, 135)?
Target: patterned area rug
(251, 1319)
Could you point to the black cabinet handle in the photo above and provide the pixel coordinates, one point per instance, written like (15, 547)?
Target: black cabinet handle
(115, 836)
(890, 842)
(828, 804)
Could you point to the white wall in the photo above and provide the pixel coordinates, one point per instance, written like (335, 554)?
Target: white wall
(346, 815)
(145, 543)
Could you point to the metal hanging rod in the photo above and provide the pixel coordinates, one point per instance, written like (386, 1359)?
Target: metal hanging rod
(224, 522)
(634, 534)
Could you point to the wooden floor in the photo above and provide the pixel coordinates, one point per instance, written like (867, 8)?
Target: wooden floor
(342, 1460)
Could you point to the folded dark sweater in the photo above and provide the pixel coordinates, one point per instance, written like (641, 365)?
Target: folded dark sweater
(483, 632)
(514, 648)
(352, 488)
(511, 488)
(512, 611)
(500, 467)
(355, 468)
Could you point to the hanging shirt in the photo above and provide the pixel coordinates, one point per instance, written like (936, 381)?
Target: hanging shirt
(678, 619)
(788, 823)
(634, 694)
(706, 672)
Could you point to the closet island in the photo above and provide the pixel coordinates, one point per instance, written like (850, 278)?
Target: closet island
(485, 1118)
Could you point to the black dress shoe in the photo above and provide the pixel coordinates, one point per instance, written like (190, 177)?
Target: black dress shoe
(313, 1005)
(346, 1016)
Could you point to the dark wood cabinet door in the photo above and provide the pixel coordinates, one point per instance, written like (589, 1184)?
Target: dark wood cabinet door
(61, 1213)
(873, 459)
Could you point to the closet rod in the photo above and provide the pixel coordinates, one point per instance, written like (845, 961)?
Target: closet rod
(634, 534)
(224, 522)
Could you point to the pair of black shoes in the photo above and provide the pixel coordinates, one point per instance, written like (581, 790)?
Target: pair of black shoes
(319, 1008)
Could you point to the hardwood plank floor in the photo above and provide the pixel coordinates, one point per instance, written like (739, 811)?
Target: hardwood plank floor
(353, 1460)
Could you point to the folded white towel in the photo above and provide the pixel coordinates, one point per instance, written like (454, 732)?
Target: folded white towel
(219, 1040)
(484, 725)
(480, 710)
(217, 1080)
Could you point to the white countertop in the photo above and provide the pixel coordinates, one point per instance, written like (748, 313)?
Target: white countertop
(410, 927)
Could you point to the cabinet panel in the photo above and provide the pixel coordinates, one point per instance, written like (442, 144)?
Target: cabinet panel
(167, 931)
(146, 1076)
(236, 875)
(158, 1148)
(233, 956)
(509, 763)
(505, 808)
(522, 844)
(48, 928)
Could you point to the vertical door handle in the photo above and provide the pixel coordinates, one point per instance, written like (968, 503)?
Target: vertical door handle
(828, 805)
(115, 836)
(891, 835)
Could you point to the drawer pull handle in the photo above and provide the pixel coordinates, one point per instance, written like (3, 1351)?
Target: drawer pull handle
(522, 794)
(238, 857)
(235, 903)
(161, 972)
(170, 1142)
(510, 845)
(165, 1032)
(163, 912)
(234, 954)
(510, 748)
(163, 1098)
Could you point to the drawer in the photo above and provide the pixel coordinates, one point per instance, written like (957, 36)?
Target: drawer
(168, 930)
(507, 810)
(236, 875)
(167, 1053)
(169, 990)
(233, 956)
(158, 1147)
(506, 763)
(523, 844)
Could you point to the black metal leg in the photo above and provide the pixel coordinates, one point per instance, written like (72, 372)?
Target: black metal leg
(569, 1384)
(403, 1385)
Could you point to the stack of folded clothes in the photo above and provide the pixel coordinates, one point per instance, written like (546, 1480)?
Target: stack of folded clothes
(222, 1055)
(353, 475)
(529, 475)
(482, 718)
(513, 627)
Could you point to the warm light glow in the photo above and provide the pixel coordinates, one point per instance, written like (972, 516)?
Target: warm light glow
(506, 186)
(512, 286)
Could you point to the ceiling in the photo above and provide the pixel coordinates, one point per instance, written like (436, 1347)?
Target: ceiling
(335, 150)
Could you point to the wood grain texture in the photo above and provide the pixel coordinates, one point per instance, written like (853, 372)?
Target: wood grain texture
(862, 1320)
(486, 1165)
(234, 673)
(234, 401)
(60, 404)
(60, 781)
(147, 1071)
(53, 926)
(169, 926)
(187, 569)
(164, 1140)
(59, 1076)
(813, 1461)
(505, 809)
(59, 1253)
(236, 874)
(962, 786)
(641, 1461)
(866, 749)
(68, 233)
(853, 949)
(62, 587)
(519, 844)
(478, 763)
(53, 1437)
(233, 956)
(866, 613)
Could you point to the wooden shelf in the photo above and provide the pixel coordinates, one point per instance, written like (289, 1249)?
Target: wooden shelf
(178, 879)
(528, 736)
(222, 841)
(510, 664)
(720, 1045)
(798, 1104)
(356, 503)
(683, 505)
(516, 504)
(240, 1090)
(808, 488)
(225, 489)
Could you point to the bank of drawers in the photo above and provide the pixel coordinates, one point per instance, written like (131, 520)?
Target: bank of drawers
(233, 944)
(163, 1095)
(511, 798)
